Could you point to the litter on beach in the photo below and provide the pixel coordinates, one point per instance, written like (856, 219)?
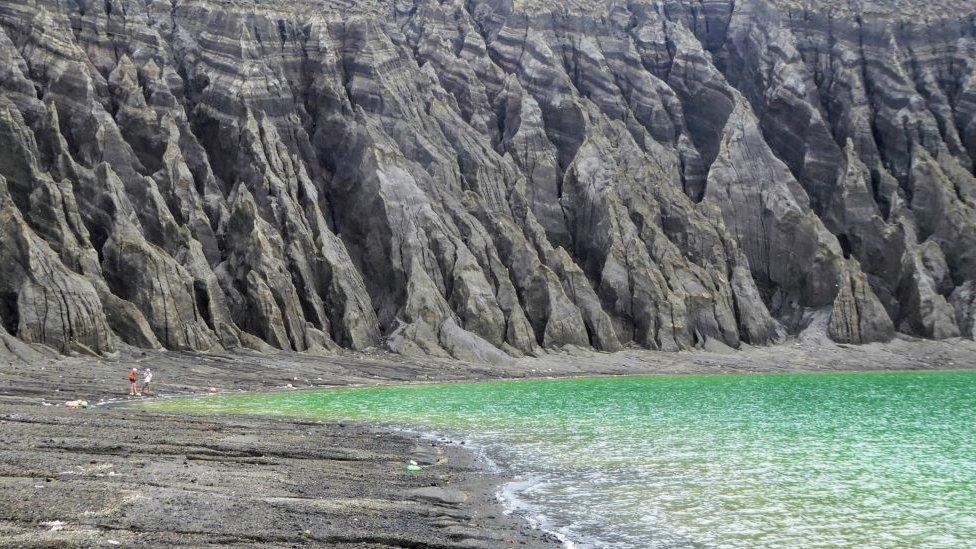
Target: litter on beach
(54, 525)
(412, 467)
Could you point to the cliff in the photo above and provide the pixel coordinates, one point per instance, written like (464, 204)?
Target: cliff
(487, 178)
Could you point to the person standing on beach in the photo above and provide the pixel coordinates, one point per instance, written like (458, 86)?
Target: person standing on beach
(133, 377)
(147, 376)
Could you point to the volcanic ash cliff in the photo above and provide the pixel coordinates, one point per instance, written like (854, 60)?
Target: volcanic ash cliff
(486, 178)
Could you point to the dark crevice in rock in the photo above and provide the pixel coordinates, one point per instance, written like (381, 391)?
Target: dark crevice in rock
(9, 316)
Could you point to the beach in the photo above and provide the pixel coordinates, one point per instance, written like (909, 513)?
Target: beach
(114, 474)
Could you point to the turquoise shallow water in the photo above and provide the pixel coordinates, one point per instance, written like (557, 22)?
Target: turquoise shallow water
(804, 460)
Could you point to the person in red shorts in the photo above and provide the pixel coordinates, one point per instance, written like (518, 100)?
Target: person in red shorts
(133, 376)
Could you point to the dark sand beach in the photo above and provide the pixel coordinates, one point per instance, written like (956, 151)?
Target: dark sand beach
(117, 474)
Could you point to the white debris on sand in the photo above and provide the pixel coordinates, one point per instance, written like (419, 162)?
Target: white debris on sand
(54, 525)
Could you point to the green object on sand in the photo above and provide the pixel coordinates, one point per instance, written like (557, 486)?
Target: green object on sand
(414, 468)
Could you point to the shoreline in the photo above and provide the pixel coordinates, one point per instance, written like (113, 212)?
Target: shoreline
(506, 497)
(345, 484)
(378, 384)
(508, 487)
(140, 477)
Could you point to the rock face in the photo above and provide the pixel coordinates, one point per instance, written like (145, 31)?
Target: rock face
(484, 179)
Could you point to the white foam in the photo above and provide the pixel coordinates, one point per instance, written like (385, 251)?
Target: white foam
(507, 493)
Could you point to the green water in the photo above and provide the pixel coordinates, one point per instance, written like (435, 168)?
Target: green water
(826, 460)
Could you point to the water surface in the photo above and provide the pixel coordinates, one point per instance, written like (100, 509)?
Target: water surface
(798, 460)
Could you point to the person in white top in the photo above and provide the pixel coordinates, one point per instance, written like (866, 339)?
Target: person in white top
(147, 376)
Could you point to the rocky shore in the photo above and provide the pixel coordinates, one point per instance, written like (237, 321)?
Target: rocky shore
(115, 474)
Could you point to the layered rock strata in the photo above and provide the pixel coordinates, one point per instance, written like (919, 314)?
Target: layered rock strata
(483, 179)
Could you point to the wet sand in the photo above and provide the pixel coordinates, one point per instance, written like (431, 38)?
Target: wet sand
(116, 474)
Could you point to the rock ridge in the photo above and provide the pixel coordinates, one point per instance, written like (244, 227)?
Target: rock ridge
(484, 179)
